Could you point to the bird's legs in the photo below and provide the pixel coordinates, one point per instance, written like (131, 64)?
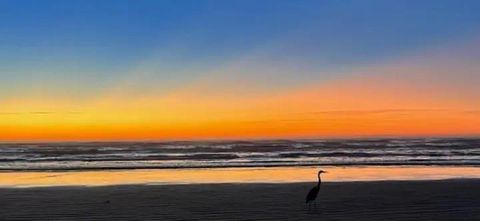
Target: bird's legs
(309, 206)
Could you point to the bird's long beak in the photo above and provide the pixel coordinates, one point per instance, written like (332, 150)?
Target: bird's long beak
(325, 171)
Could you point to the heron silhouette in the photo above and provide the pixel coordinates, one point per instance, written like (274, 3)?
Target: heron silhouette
(313, 193)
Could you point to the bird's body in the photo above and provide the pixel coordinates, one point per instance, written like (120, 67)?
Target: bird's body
(313, 193)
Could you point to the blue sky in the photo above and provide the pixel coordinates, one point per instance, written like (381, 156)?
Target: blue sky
(89, 45)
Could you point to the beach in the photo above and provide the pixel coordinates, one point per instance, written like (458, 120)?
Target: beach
(373, 179)
(455, 199)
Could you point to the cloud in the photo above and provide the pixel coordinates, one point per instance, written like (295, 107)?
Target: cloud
(370, 112)
(315, 116)
(473, 112)
(40, 113)
(8, 113)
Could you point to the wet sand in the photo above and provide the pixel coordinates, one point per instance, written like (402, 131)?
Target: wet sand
(232, 175)
(384, 200)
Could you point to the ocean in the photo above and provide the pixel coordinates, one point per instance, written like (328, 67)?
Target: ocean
(254, 153)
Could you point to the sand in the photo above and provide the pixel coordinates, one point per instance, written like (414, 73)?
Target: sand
(386, 200)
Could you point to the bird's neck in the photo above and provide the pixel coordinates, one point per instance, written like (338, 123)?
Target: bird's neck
(319, 180)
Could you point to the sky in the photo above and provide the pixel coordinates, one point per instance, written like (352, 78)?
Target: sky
(155, 70)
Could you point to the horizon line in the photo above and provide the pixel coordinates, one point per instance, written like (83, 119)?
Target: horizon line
(366, 137)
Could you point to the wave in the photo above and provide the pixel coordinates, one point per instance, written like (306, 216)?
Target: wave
(182, 154)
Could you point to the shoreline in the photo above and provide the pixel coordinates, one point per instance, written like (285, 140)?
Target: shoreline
(65, 187)
(234, 175)
(80, 169)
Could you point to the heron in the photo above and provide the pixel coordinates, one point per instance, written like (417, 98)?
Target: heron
(313, 193)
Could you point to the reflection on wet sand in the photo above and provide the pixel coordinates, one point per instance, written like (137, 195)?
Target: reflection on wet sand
(232, 175)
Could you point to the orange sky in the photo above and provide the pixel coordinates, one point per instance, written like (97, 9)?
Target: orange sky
(432, 93)
(359, 107)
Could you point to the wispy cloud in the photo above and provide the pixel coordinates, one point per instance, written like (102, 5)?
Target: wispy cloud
(8, 113)
(40, 113)
(474, 112)
(314, 116)
(372, 112)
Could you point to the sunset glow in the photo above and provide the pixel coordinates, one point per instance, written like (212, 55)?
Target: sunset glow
(299, 77)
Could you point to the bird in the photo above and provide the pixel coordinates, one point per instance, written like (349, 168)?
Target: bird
(313, 193)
